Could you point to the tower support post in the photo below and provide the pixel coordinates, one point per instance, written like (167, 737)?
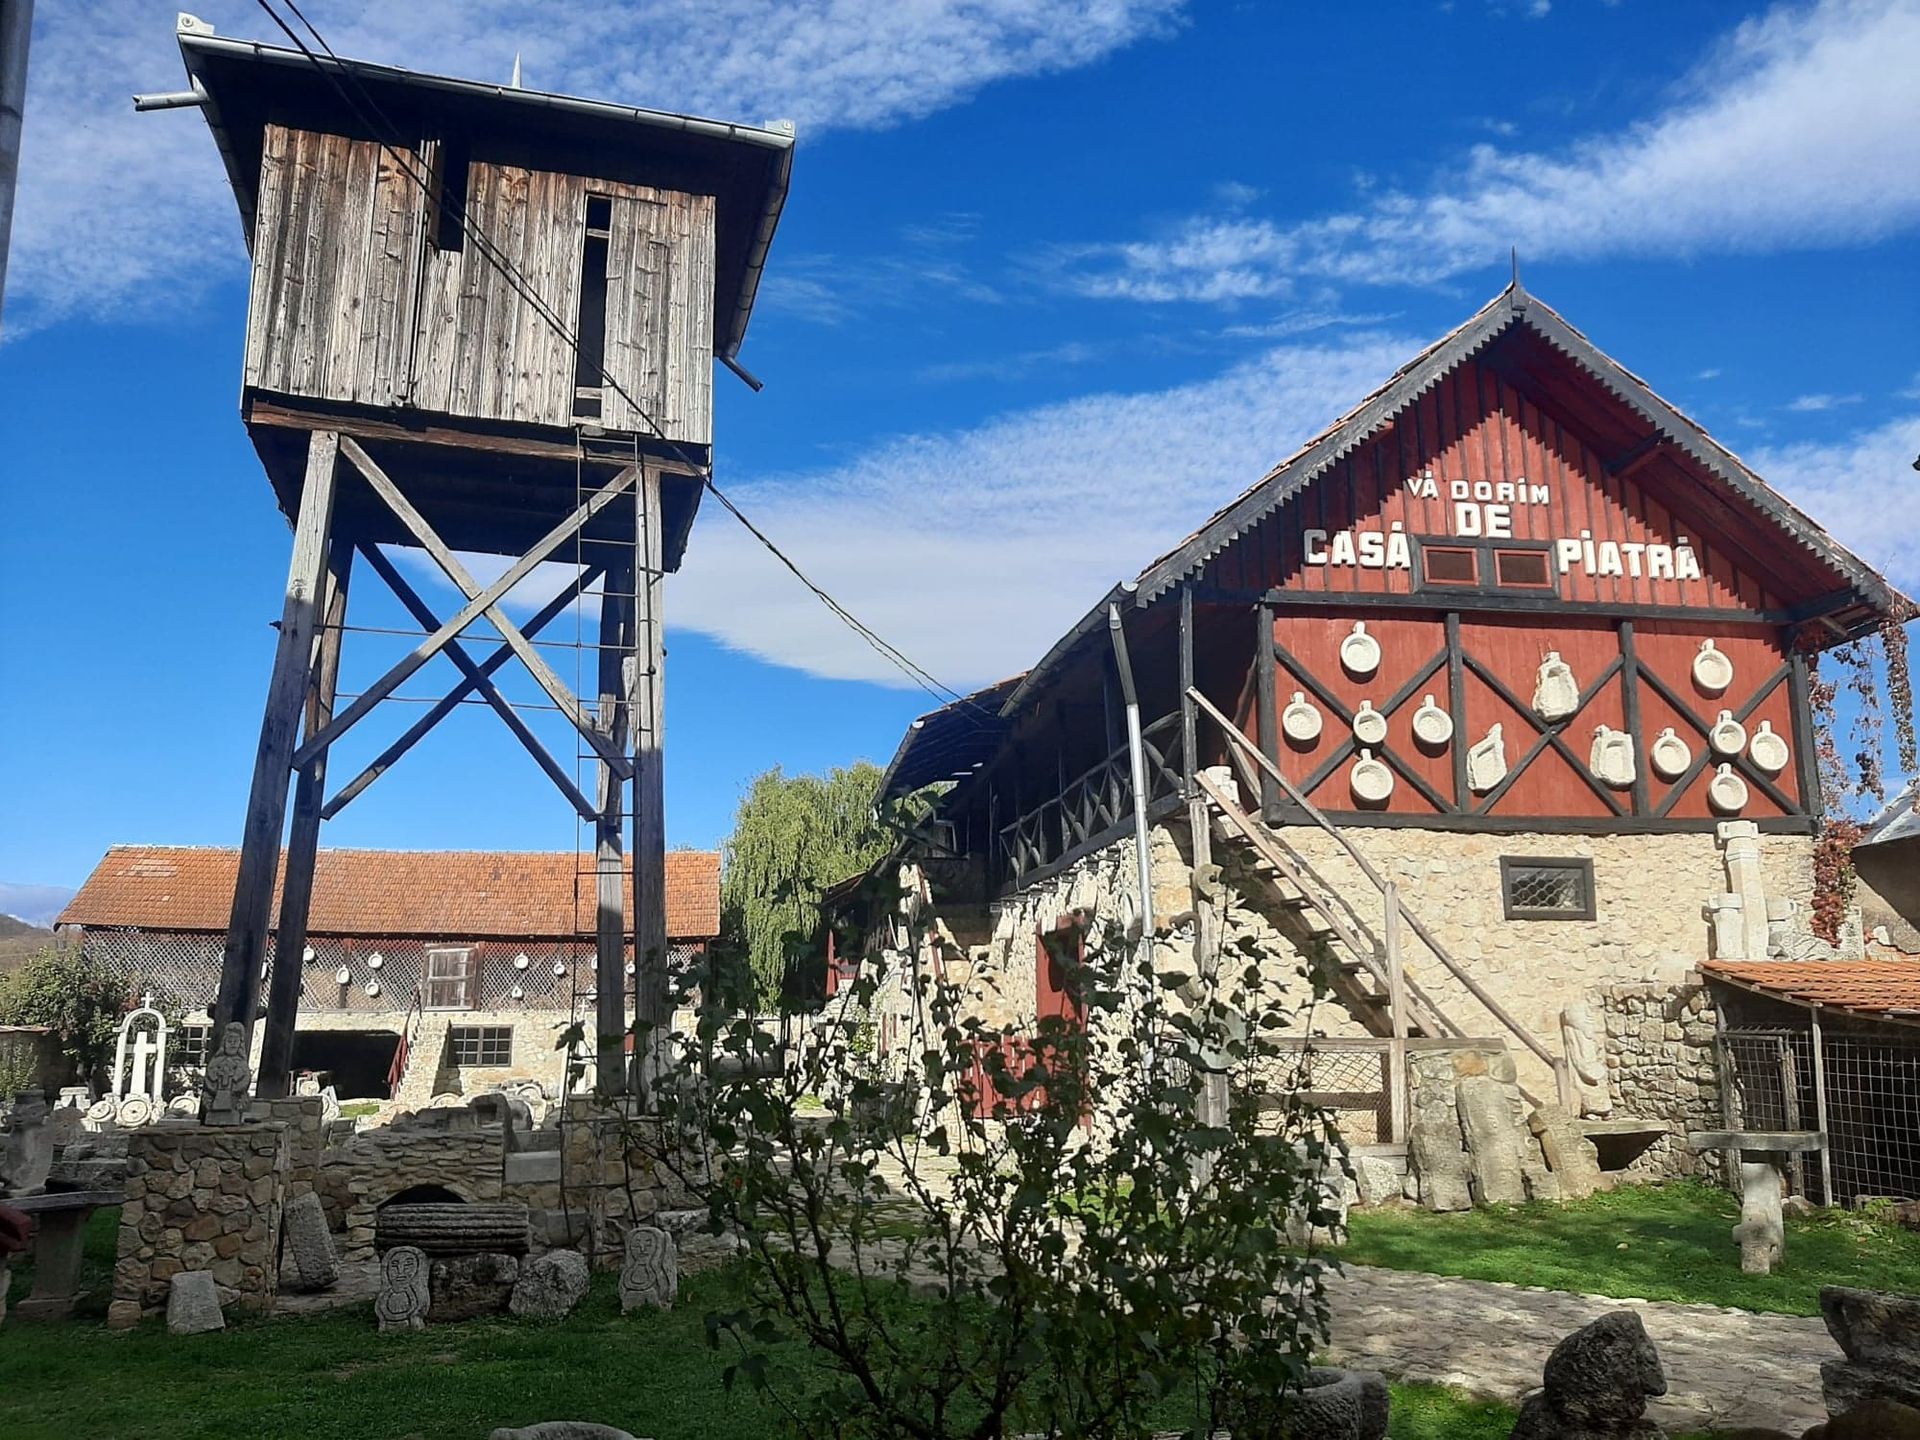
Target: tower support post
(614, 718)
(647, 689)
(247, 923)
(303, 839)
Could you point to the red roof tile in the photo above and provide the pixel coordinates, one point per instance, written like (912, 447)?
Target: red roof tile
(439, 894)
(1874, 987)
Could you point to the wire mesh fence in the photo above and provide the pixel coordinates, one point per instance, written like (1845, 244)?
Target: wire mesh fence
(1773, 1080)
(366, 975)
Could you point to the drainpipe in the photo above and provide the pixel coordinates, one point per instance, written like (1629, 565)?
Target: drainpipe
(1136, 760)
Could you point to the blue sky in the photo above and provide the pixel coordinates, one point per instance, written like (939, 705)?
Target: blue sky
(1056, 278)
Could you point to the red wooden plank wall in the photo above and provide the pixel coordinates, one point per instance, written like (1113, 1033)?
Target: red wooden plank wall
(1469, 436)
(1511, 648)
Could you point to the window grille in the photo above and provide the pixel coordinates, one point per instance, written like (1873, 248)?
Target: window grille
(189, 1046)
(449, 979)
(481, 1044)
(1546, 889)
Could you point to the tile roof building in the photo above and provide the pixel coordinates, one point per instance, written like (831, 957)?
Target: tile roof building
(480, 959)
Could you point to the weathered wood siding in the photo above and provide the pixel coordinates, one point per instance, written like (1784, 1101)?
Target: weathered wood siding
(351, 304)
(660, 312)
(334, 266)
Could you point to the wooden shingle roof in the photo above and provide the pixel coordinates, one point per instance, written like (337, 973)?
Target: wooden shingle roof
(433, 894)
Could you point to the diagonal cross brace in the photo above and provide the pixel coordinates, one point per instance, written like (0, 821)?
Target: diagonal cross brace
(480, 680)
(446, 705)
(480, 602)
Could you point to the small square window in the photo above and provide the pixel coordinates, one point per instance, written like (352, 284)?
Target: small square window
(1546, 889)
(480, 1044)
(1522, 569)
(190, 1046)
(1449, 565)
(450, 979)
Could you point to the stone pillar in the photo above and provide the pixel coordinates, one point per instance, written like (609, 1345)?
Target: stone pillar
(1741, 841)
(201, 1197)
(1761, 1233)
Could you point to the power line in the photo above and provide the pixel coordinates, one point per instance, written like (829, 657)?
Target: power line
(405, 159)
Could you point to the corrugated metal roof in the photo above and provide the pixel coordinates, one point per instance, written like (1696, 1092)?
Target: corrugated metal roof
(949, 743)
(434, 894)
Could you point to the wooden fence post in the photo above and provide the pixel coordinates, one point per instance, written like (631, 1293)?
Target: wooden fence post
(1397, 1006)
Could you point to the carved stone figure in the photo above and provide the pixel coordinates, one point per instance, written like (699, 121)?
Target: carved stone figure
(1556, 694)
(403, 1290)
(1611, 757)
(1487, 762)
(650, 1272)
(1587, 1057)
(227, 1079)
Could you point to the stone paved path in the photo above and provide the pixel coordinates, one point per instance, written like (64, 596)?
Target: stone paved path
(1724, 1367)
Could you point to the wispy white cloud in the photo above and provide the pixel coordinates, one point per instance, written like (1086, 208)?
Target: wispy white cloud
(122, 215)
(1814, 404)
(973, 550)
(1863, 489)
(1797, 130)
(1013, 365)
(1712, 372)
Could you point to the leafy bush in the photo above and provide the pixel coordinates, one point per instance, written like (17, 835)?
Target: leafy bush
(73, 997)
(1100, 1217)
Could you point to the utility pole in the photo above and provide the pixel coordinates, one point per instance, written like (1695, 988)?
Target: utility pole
(16, 28)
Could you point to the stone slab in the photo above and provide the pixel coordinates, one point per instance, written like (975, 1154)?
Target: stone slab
(193, 1303)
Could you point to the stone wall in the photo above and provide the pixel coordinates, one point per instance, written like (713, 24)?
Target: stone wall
(1649, 929)
(305, 1119)
(1660, 1066)
(200, 1198)
(446, 1148)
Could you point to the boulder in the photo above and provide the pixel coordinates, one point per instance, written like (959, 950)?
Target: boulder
(1497, 1172)
(454, 1229)
(1847, 1386)
(1377, 1179)
(1571, 1156)
(460, 1287)
(560, 1430)
(1596, 1385)
(552, 1285)
(306, 1245)
(1874, 1327)
(1875, 1420)
(193, 1303)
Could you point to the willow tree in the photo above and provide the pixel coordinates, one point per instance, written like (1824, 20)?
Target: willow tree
(793, 836)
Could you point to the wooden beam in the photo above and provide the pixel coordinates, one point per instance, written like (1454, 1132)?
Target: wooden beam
(303, 839)
(1268, 702)
(445, 706)
(479, 605)
(614, 716)
(647, 699)
(1203, 885)
(1457, 706)
(1630, 708)
(247, 922)
(481, 680)
(417, 526)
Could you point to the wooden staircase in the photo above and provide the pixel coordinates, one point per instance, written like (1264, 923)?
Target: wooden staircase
(1362, 971)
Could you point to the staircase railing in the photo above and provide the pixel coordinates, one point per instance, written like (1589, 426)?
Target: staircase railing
(1396, 907)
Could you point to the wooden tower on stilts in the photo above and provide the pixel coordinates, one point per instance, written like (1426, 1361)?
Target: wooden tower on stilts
(482, 320)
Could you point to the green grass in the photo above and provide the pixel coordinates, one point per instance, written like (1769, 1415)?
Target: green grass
(354, 1109)
(1665, 1242)
(334, 1377)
